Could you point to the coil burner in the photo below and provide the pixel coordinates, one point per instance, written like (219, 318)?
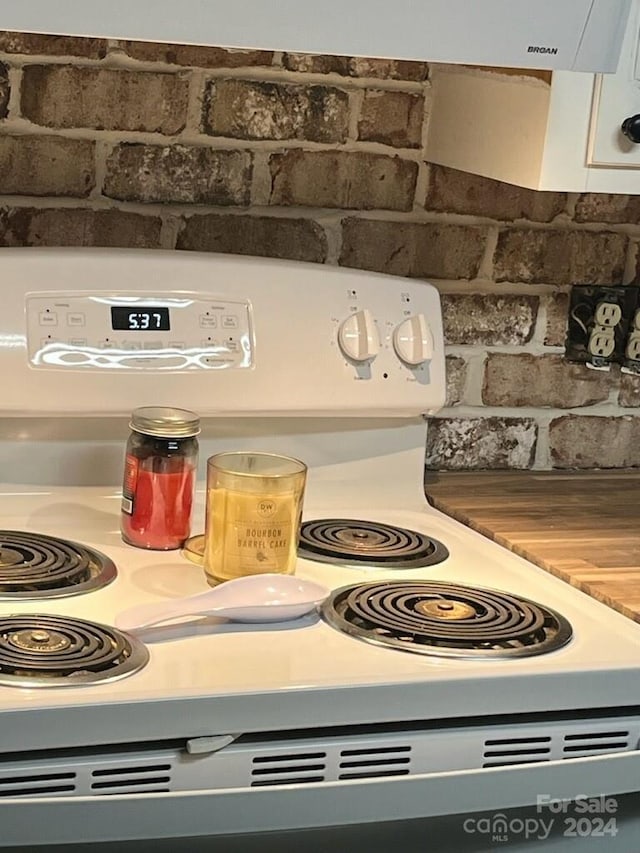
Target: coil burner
(446, 620)
(54, 651)
(351, 542)
(37, 566)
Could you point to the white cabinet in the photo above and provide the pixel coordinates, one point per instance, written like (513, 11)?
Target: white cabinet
(550, 131)
(617, 102)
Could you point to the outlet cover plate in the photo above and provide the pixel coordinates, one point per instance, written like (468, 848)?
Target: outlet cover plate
(581, 320)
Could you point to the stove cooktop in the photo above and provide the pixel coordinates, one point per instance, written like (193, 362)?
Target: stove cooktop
(204, 669)
(425, 617)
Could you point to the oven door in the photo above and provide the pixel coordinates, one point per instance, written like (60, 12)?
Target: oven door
(546, 806)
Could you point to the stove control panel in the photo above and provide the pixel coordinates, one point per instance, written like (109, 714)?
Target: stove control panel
(101, 331)
(388, 337)
(142, 332)
(359, 338)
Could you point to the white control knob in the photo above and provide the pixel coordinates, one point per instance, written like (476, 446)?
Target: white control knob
(358, 336)
(413, 341)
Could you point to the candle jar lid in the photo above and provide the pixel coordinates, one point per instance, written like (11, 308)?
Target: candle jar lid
(165, 422)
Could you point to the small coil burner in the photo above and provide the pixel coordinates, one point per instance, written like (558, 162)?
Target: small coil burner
(446, 620)
(351, 542)
(37, 566)
(55, 651)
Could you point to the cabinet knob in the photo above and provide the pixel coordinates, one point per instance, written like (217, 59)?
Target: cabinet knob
(631, 128)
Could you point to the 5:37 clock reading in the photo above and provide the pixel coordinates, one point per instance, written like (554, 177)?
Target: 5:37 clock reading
(145, 319)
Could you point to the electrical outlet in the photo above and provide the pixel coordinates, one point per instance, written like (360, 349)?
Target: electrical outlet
(607, 314)
(631, 363)
(602, 342)
(599, 322)
(633, 347)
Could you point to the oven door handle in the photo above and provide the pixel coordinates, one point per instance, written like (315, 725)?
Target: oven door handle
(229, 811)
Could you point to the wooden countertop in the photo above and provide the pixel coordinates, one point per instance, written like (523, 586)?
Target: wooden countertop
(583, 527)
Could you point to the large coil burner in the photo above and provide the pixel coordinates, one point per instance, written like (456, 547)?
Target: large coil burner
(351, 542)
(54, 651)
(446, 620)
(37, 566)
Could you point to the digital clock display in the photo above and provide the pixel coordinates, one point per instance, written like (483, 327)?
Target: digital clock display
(148, 319)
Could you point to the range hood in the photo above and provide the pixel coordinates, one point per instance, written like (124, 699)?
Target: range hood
(578, 35)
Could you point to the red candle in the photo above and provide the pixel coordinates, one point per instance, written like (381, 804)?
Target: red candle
(159, 478)
(161, 507)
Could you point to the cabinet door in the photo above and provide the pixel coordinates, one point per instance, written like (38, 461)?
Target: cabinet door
(616, 101)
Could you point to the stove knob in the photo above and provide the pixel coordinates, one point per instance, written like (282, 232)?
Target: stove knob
(413, 341)
(631, 128)
(358, 336)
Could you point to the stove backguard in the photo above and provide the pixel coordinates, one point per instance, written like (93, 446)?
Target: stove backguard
(312, 390)
(350, 343)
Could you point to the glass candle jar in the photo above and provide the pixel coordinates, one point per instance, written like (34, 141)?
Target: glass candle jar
(159, 477)
(253, 514)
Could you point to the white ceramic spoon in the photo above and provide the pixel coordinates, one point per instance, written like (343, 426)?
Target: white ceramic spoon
(258, 598)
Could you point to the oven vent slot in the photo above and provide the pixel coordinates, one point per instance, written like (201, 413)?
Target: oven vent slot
(593, 743)
(288, 769)
(517, 750)
(37, 785)
(375, 762)
(132, 779)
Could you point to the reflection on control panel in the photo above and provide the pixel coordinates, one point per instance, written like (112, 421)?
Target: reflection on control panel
(160, 332)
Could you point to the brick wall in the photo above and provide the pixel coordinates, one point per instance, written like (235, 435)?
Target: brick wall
(320, 159)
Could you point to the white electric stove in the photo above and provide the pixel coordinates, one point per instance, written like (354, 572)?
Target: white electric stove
(445, 682)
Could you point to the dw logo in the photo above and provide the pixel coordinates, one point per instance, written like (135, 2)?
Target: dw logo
(266, 507)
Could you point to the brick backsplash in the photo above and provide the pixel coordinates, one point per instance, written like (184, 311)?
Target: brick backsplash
(320, 159)
(559, 256)
(46, 166)
(248, 109)
(297, 239)
(70, 96)
(355, 180)
(4, 90)
(178, 174)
